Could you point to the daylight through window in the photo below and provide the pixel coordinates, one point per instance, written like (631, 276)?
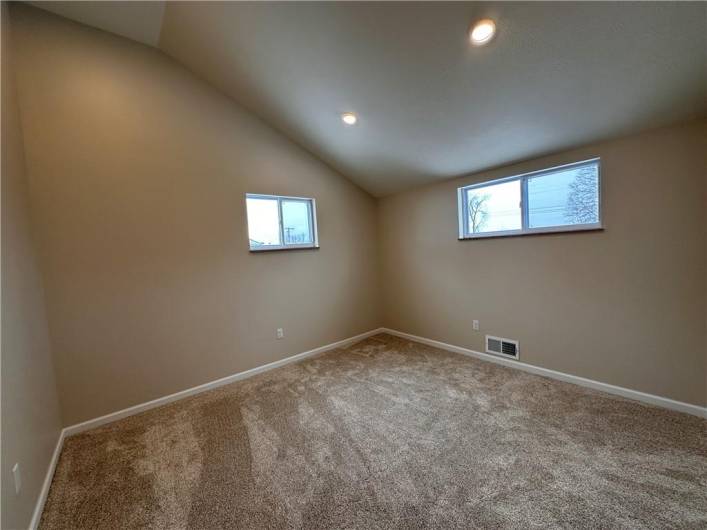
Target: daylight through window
(560, 199)
(276, 223)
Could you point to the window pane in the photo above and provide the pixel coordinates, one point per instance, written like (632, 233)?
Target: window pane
(295, 222)
(566, 197)
(494, 208)
(263, 222)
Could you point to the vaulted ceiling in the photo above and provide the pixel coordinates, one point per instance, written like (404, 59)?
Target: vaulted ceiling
(431, 106)
(140, 21)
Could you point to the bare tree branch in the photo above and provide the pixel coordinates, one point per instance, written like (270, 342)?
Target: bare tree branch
(478, 213)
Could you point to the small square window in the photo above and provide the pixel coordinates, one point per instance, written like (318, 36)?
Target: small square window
(278, 223)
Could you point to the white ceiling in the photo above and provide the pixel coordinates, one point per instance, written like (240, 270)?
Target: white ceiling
(431, 106)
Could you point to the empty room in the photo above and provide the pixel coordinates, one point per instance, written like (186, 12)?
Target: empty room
(354, 265)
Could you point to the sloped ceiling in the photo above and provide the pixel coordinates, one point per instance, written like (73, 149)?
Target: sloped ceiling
(431, 106)
(140, 21)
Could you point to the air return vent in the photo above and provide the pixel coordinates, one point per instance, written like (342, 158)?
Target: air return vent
(504, 347)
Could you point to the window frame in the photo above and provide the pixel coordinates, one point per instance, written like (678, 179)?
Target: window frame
(462, 204)
(312, 207)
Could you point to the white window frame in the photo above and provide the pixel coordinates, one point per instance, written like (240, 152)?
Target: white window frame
(312, 204)
(525, 229)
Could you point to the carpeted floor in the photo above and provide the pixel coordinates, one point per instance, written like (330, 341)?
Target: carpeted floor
(388, 433)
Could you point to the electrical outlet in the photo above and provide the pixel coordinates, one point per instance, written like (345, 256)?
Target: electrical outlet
(475, 325)
(18, 478)
(280, 333)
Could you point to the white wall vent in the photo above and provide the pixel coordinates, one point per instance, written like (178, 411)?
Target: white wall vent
(503, 347)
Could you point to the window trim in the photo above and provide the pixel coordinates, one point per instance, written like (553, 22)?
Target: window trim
(312, 203)
(462, 206)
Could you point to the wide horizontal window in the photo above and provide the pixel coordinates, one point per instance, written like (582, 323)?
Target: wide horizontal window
(560, 199)
(277, 223)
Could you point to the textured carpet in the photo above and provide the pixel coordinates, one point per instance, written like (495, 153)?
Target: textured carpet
(388, 433)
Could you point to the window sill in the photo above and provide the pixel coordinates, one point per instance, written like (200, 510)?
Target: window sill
(535, 232)
(277, 249)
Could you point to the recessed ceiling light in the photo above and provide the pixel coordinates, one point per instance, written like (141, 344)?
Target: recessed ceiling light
(482, 32)
(349, 118)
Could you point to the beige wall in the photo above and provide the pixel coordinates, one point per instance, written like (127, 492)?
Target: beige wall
(137, 174)
(30, 411)
(138, 171)
(624, 306)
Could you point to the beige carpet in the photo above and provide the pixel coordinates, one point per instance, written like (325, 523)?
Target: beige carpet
(388, 434)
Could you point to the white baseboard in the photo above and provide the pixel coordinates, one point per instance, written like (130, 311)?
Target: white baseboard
(44, 492)
(136, 409)
(130, 411)
(651, 399)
